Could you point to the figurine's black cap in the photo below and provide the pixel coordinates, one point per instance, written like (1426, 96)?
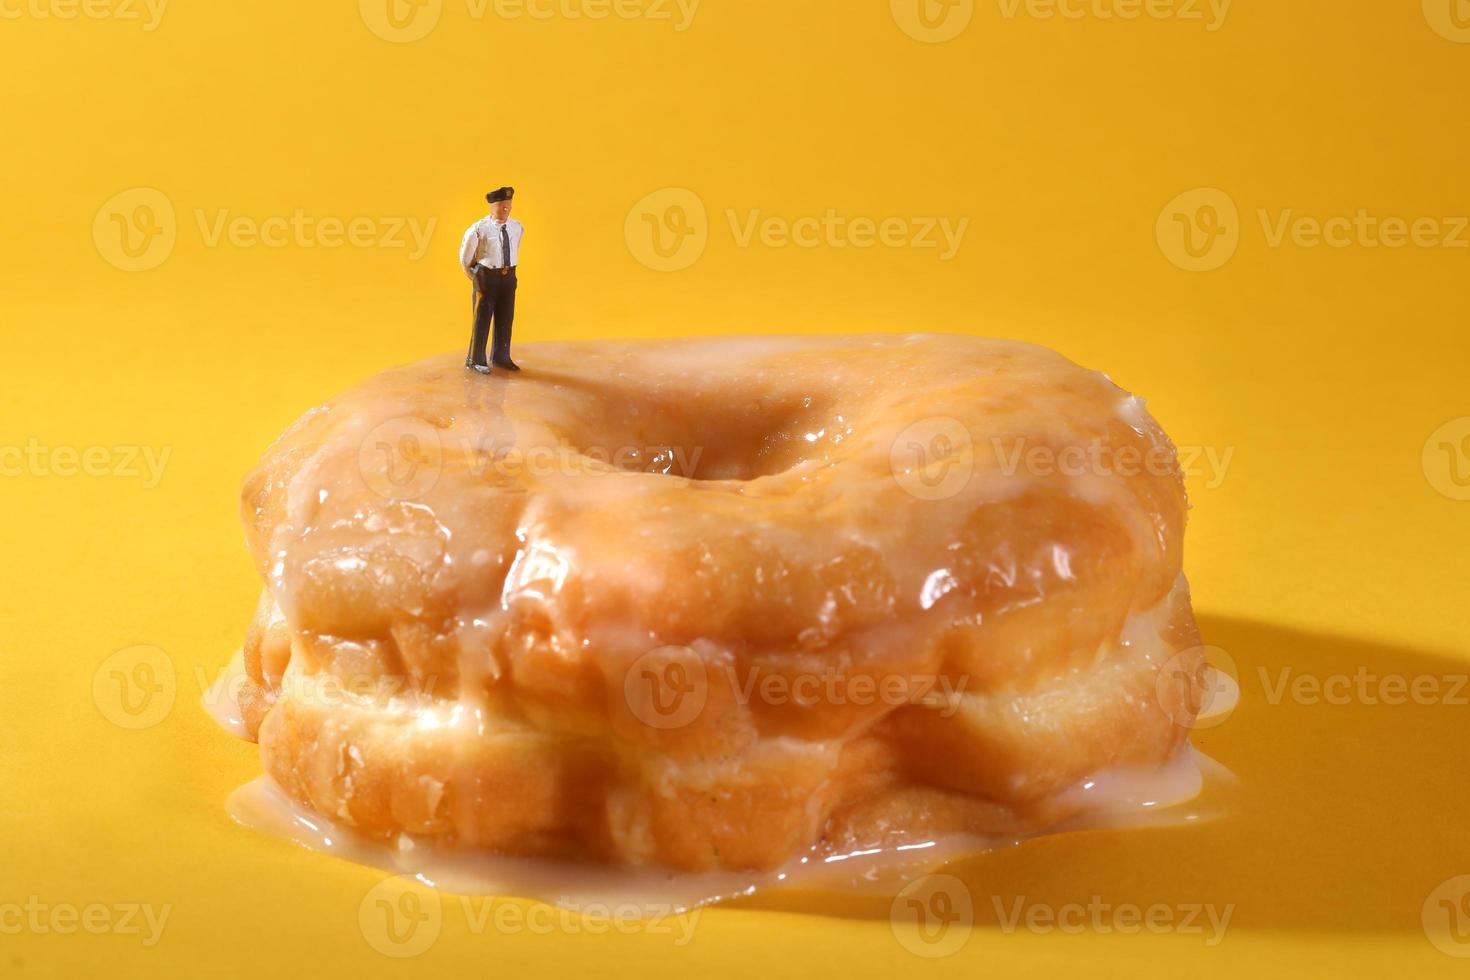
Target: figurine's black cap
(504, 194)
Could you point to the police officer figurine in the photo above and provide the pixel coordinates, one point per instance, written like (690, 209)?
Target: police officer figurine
(488, 255)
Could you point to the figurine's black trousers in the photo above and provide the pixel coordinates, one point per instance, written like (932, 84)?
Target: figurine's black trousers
(496, 300)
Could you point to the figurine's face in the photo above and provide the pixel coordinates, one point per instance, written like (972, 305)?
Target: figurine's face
(500, 210)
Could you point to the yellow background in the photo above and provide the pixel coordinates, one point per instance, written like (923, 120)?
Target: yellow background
(1326, 549)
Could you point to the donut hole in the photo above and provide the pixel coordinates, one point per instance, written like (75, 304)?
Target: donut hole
(715, 438)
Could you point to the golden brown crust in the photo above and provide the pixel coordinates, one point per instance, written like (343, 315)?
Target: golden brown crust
(460, 642)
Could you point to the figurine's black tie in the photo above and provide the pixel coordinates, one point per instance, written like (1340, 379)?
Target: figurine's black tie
(504, 247)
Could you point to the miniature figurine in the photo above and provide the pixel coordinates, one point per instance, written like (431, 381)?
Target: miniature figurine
(488, 254)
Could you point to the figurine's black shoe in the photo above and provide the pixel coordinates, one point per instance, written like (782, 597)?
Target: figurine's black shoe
(507, 363)
(478, 368)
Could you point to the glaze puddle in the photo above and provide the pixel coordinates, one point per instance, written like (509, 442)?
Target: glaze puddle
(1115, 798)
(1118, 798)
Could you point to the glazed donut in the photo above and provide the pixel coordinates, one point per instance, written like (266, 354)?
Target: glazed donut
(713, 603)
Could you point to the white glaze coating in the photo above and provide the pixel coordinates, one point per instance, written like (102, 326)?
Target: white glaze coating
(467, 578)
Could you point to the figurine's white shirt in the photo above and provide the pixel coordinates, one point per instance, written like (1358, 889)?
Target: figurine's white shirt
(482, 245)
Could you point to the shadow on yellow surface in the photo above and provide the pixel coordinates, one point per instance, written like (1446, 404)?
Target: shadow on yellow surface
(1350, 808)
